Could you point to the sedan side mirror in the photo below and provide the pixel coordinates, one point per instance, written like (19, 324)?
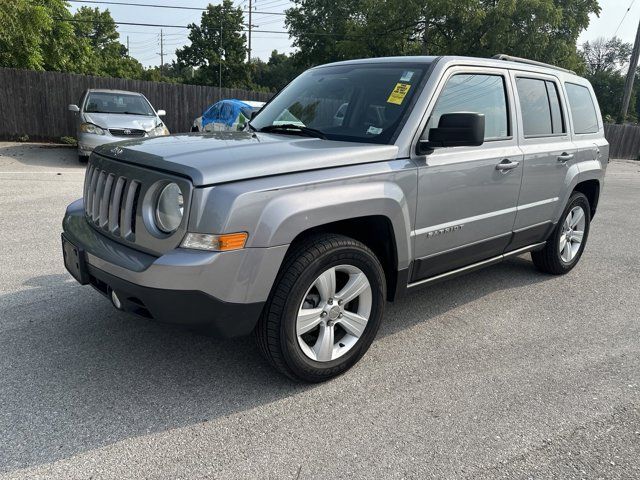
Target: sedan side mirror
(161, 113)
(73, 108)
(462, 129)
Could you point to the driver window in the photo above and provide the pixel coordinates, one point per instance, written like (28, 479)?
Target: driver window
(477, 93)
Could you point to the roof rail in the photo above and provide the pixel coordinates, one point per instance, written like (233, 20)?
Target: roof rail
(502, 56)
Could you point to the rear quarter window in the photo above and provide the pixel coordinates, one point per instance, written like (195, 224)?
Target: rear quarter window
(583, 110)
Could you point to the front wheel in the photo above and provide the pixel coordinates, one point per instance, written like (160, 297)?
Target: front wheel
(566, 244)
(325, 308)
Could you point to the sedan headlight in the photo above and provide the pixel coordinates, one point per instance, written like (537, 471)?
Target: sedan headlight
(159, 131)
(91, 128)
(170, 208)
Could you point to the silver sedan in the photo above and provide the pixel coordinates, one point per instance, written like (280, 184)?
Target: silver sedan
(106, 116)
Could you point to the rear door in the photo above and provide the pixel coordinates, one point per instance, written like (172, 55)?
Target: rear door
(466, 203)
(549, 154)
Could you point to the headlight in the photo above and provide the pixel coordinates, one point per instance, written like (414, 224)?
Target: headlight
(91, 128)
(159, 131)
(170, 208)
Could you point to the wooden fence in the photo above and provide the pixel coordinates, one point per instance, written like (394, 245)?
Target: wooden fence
(624, 141)
(35, 103)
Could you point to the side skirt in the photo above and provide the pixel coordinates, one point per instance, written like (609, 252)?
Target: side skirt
(476, 266)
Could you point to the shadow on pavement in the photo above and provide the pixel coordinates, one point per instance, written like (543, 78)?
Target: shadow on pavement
(78, 375)
(38, 155)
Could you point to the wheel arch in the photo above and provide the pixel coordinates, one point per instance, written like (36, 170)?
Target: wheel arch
(591, 190)
(374, 231)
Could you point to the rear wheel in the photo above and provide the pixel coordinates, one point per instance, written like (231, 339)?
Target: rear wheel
(325, 308)
(566, 244)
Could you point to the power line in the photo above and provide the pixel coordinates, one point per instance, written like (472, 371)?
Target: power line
(623, 17)
(148, 5)
(160, 25)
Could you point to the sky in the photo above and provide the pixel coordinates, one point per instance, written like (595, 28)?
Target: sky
(144, 42)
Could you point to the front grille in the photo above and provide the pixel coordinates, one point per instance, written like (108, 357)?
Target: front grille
(126, 132)
(110, 202)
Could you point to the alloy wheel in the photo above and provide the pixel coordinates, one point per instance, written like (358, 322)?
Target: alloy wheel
(334, 313)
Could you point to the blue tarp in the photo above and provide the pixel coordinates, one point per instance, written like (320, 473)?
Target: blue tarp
(224, 111)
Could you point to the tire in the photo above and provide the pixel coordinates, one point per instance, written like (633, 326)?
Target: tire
(83, 158)
(302, 282)
(556, 259)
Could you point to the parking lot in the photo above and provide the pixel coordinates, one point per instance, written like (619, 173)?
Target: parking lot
(503, 373)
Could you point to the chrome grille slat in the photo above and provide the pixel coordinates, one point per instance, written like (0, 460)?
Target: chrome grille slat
(127, 213)
(97, 198)
(103, 217)
(114, 206)
(91, 190)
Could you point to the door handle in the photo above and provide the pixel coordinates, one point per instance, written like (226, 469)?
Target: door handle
(565, 157)
(505, 165)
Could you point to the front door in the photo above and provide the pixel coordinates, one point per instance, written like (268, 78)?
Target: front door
(467, 196)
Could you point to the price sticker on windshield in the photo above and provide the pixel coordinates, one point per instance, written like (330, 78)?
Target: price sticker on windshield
(399, 92)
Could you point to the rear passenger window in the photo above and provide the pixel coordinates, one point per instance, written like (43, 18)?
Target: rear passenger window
(540, 106)
(583, 111)
(477, 93)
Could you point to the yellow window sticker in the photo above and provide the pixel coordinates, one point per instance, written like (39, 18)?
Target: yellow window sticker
(399, 92)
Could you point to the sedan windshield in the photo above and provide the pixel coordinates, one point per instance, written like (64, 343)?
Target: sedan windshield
(105, 102)
(358, 102)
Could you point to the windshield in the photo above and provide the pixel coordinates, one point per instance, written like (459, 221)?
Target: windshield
(105, 102)
(358, 103)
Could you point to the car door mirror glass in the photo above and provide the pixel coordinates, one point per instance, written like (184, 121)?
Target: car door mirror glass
(73, 108)
(462, 129)
(161, 113)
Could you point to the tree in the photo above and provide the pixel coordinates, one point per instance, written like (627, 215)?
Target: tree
(545, 30)
(107, 56)
(33, 35)
(274, 74)
(209, 49)
(604, 64)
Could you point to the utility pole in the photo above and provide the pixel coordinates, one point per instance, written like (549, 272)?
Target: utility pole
(161, 53)
(221, 50)
(250, 26)
(128, 51)
(631, 75)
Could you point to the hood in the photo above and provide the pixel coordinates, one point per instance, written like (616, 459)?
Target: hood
(219, 157)
(116, 120)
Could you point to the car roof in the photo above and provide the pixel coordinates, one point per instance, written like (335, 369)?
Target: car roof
(504, 61)
(107, 90)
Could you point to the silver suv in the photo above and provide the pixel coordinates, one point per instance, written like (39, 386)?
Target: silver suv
(301, 227)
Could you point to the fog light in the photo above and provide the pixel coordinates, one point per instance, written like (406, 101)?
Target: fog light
(219, 243)
(115, 300)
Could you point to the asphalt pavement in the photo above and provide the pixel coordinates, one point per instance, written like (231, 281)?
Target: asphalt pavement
(503, 373)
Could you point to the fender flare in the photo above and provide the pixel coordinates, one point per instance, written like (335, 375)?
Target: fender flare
(289, 214)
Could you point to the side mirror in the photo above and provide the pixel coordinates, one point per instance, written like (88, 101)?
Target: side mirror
(462, 129)
(73, 108)
(253, 114)
(161, 113)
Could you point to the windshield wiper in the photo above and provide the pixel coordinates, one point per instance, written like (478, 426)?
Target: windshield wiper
(293, 128)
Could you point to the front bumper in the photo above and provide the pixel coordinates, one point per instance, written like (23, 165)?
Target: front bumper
(87, 142)
(221, 291)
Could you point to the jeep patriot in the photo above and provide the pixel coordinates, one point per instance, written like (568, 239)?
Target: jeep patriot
(360, 181)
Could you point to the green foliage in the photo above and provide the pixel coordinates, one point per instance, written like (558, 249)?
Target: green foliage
(273, 75)
(209, 48)
(604, 66)
(545, 30)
